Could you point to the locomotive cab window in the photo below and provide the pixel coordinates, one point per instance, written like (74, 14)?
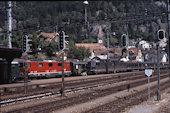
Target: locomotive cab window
(21, 65)
(40, 65)
(59, 64)
(50, 65)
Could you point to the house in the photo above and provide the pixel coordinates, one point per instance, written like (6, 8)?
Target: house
(145, 45)
(150, 55)
(48, 36)
(115, 52)
(164, 58)
(95, 48)
(133, 55)
(132, 43)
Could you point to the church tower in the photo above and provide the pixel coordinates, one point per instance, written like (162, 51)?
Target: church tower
(100, 36)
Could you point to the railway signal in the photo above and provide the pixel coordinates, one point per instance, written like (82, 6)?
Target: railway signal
(61, 40)
(24, 45)
(161, 34)
(62, 47)
(124, 40)
(28, 44)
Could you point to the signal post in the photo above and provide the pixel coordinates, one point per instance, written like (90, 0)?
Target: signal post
(161, 36)
(61, 48)
(26, 47)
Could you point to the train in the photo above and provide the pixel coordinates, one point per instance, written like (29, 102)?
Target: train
(53, 68)
(114, 66)
(44, 68)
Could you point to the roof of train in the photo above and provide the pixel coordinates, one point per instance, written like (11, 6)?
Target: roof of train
(37, 60)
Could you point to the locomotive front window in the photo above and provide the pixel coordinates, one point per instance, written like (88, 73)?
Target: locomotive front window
(21, 65)
(40, 65)
(59, 64)
(50, 65)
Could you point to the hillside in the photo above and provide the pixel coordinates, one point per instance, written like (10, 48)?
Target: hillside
(33, 16)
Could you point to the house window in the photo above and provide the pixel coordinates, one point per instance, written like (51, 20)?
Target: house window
(50, 65)
(40, 65)
(59, 64)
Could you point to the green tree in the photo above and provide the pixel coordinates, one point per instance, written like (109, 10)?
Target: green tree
(72, 49)
(49, 48)
(77, 52)
(17, 40)
(35, 41)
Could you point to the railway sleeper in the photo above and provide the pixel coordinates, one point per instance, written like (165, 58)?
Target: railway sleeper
(129, 98)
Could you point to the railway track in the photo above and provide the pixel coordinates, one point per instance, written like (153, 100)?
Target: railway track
(88, 85)
(120, 104)
(95, 93)
(15, 92)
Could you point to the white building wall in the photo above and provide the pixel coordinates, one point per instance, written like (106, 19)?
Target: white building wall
(164, 58)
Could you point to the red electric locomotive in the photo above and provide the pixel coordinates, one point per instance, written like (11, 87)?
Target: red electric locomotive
(45, 68)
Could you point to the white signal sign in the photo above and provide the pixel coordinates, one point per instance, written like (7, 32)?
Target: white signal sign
(148, 72)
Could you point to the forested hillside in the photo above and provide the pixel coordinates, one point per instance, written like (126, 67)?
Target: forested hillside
(33, 16)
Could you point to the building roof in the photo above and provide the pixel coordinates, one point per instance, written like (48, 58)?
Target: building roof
(96, 48)
(92, 46)
(49, 36)
(134, 50)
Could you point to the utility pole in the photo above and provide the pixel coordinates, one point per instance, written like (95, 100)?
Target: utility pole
(25, 49)
(107, 66)
(127, 39)
(158, 72)
(62, 86)
(161, 36)
(168, 33)
(0, 102)
(61, 48)
(26, 75)
(85, 15)
(9, 16)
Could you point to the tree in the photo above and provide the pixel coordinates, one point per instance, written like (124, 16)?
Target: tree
(72, 49)
(79, 53)
(35, 41)
(49, 48)
(17, 40)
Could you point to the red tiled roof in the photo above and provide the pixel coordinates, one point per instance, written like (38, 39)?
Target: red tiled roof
(117, 52)
(49, 36)
(94, 47)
